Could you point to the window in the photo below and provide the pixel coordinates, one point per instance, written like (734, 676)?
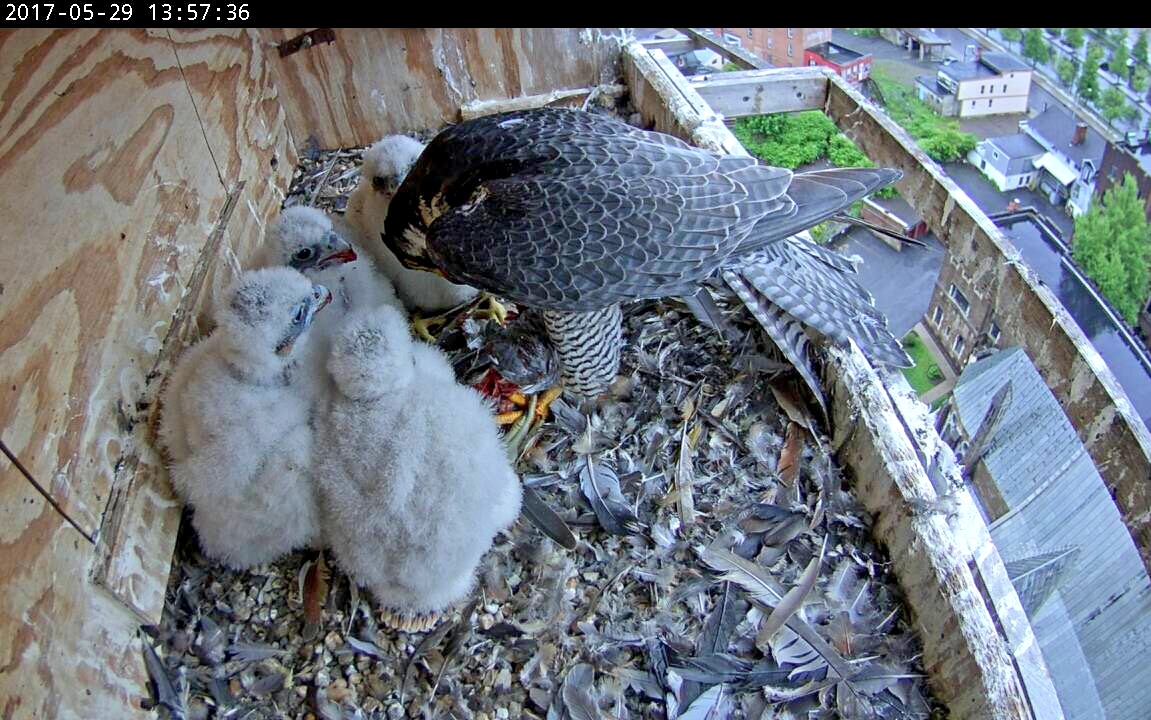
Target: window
(994, 332)
(960, 300)
(750, 32)
(972, 103)
(789, 49)
(770, 41)
(1004, 87)
(982, 89)
(937, 316)
(791, 32)
(811, 63)
(989, 103)
(957, 346)
(994, 154)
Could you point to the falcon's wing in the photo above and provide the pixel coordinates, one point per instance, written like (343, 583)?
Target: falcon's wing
(601, 225)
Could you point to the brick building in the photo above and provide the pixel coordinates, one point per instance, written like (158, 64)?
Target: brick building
(781, 47)
(850, 65)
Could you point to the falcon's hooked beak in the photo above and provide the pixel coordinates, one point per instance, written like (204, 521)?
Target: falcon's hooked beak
(305, 312)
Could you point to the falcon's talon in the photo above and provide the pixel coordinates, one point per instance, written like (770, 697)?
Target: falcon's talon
(422, 326)
(495, 310)
(509, 417)
(545, 400)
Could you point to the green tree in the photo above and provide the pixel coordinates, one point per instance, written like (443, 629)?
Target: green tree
(1035, 47)
(1112, 244)
(1088, 86)
(1118, 63)
(1139, 79)
(1113, 104)
(1074, 37)
(1054, 32)
(1011, 35)
(1066, 71)
(1139, 49)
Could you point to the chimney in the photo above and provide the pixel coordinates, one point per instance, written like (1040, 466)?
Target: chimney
(1080, 133)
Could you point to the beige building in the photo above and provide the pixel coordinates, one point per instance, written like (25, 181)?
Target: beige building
(781, 47)
(995, 84)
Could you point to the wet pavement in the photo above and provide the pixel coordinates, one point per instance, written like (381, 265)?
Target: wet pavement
(901, 281)
(1045, 258)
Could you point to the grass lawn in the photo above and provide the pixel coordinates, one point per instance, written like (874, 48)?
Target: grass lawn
(921, 375)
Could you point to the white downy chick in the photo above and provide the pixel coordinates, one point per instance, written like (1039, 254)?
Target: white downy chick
(236, 424)
(320, 246)
(385, 166)
(414, 481)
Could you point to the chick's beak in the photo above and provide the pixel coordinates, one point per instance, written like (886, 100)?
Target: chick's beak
(321, 296)
(340, 251)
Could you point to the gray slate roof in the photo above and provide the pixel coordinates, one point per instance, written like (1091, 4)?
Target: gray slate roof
(1099, 613)
(1058, 127)
(1019, 145)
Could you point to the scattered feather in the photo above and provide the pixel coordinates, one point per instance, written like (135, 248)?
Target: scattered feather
(600, 485)
(793, 600)
(543, 517)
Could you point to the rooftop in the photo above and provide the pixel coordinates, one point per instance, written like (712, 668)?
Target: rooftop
(926, 36)
(898, 207)
(1057, 126)
(836, 53)
(1003, 63)
(931, 83)
(971, 70)
(1056, 500)
(1019, 145)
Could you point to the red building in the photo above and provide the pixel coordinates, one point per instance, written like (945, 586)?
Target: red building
(780, 47)
(851, 66)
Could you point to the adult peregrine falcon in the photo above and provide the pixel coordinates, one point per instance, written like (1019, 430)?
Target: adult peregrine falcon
(574, 212)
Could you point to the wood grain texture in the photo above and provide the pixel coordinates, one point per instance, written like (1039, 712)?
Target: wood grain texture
(371, 82)
(121, 151)
(68, 649)
(108, 193)
(242, 122)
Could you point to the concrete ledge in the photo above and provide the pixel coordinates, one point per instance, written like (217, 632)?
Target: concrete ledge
(969, 659)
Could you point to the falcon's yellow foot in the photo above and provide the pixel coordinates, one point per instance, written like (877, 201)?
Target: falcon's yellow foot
(408, 622)
(545, 400)
(495, 310)
(542, 401)
(423, 326)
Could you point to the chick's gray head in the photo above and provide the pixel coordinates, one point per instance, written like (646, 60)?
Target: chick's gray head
(387, 163)
(303, 238)
(264, 317)
(372, 354)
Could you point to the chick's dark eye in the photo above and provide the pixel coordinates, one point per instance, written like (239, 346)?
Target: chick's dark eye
(379, 184)
(304, 254)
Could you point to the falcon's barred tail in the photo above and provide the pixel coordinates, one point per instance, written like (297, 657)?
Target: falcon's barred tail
(588, 345)
(817, 196)
(813, 285)
(784, 331)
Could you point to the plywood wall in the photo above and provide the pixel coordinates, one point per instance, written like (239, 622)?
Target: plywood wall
(136, 170)
(373, 81)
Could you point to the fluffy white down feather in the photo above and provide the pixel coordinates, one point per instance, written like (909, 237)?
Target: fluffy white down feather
(236, 426)
(413, 478)
(386, 164)
(355, 284)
